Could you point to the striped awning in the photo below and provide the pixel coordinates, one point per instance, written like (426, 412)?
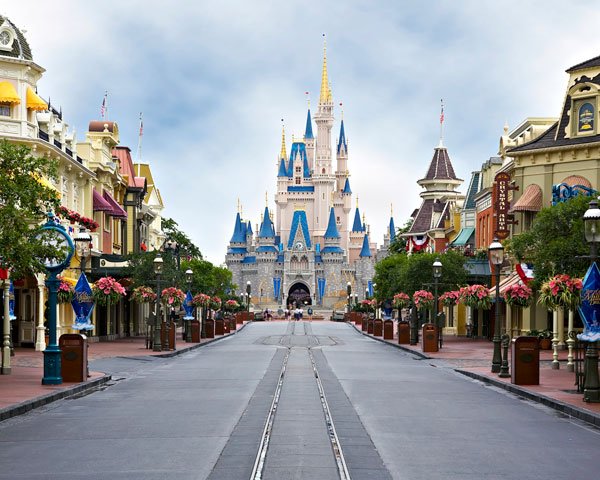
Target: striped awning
(509, 281)
(530, 201)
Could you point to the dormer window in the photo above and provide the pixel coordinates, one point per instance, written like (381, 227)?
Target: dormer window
(6, 38)
(583, 111)
(585, 118)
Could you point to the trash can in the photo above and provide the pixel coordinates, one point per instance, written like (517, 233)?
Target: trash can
(430, 337)
(195, 326)
(525, 359)
(219, 327)
(232, 324)
(403, 332)
(364, 324)
(170, 344)
(388, 330)
(73, 357)
(209, 328)
(378, 327)
(370, 326)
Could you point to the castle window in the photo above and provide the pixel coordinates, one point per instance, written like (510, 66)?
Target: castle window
(4, 109)
(585, 118)
(297, 180)
(323, 171)
(298, 169)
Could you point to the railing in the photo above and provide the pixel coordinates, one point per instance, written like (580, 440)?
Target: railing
(43, 135)
(57, 144)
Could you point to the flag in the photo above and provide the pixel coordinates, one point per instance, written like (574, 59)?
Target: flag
(103, 107)
(141, 126)
(442, 113)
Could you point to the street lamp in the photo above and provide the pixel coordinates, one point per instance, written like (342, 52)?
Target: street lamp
(173, 247)
(437, 274)
(158, 269)
(591, 386)
(248, 291)
(83, 246)
(496, 257)
(189, 276)
(349, 292)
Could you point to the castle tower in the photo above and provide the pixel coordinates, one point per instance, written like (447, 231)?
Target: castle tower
(309, 140)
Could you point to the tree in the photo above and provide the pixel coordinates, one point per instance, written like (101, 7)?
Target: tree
(398, 245)
(210, 279)
(24, 203)
(169, 227)
(555, 243)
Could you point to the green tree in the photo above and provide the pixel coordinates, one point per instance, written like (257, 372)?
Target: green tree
(186, 246)
(24, 202)
(398, 245)
(210, 279)
(555, 243)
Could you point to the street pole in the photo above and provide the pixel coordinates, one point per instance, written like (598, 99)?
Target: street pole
(52, 354)
(156, 342)
(349, 292)
(497, 356)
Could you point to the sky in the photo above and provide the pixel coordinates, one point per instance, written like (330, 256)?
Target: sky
(214, 79)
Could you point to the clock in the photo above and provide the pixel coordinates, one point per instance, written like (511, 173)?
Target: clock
(55, 236)
(5, 38)
(299, 246)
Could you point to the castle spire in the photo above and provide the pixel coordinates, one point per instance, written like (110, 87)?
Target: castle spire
(308, 132)
(283, 153)
(325, 96)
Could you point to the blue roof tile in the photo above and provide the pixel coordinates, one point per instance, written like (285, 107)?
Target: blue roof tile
(366, 250)
(239, 235)
(332, 249)
(266, 249)
(308, 133)
(357, 225)
(332, 231)
(347, 186)
(249, 228)
(299, 221)
(342, 140)
(392, 229)
(266, 229)
(282, 170)
(249, 259)
(301, 188)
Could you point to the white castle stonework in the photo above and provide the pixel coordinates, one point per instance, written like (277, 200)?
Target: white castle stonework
(310, 252)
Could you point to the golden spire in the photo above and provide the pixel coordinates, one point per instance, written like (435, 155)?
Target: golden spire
(391, 209)
(267, 198)
(283, 153)
(325, 96)
(357, 201)
(331, 199)
(239, 206)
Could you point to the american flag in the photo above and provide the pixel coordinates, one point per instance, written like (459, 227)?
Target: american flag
(442, 113)
(103, 107)
(141, 125)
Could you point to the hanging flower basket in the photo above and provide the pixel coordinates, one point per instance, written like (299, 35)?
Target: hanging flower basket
(449, 299)
(561, 291)
(423, 299)
(172, 296)
(476, 296)
(107, 291)
(65, 292)
(231, 306)
(201, 300)
(518, 295)
(215, 303)
(368, 306)
(143, 295)
(401, 300)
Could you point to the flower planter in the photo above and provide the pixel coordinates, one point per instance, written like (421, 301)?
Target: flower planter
(545, 344)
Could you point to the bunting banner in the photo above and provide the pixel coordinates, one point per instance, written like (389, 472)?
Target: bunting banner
(590, 305)
(370, 288)
(188, 306)
(11, 302)
(321, 284)
(276, 287)
(83, 304)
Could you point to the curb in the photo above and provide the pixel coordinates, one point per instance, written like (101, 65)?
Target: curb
(567, 409)
(27, 405)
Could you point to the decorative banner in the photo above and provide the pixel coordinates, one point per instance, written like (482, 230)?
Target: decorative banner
(276, 287)
(370, 288)
(83, 304)
(525, 272)
(502, 184)
(590, 305)
(188, 306)
(321, 285)
(11, 302)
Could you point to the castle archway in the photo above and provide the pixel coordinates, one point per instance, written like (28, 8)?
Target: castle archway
(299, 294)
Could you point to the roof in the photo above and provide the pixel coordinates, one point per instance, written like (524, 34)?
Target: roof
(99, 204)
(347, 186)
(530, 201)
(440, 167)
(298, 148)
(20, 47)
(332, 249)
(125, 164)
(472, 191)
(237, 250)
(422, 221)
(366, 250)
(248, 228)
(117, 210)
(332, 231)
(357, 225)
(308, 132)
(573, 180)
(282, 170)
(342, 140)
(266, 229)
(266, 249)
(512, 279)
(301, 188)
(591, 63)
(392, 229)
(299, 222)
(464, 237)
(143, 170)
(238, 233)
(249, 259)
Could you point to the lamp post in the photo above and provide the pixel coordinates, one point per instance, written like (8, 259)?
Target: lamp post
(591, 386)
(83, 246)
(189, 276)
(349, 292)
(158, 269)
(496, 256)
(173, 247)
(248, 292)
(356, 299)
(437, 274)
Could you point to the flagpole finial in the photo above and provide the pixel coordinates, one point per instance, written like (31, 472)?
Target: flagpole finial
(266, 198)
(441, 124)
(391, 209)
(356, 201)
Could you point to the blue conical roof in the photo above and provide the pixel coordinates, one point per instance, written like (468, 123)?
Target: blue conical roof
(238, 231)
(392, 229)
(332, 231)
(366, 250)
(282, 170)
(308, 133)
(266, 229)
(347, 186)
(357, 225)
(249, 228)
(342, 140)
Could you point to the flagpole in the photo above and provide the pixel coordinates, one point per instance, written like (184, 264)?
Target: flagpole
(442, 124)
(140, 135)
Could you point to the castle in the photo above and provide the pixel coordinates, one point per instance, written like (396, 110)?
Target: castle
(310, 252)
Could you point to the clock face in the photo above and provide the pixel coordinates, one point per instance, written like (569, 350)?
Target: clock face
(299, 246)
(58, 240)
(4, 38)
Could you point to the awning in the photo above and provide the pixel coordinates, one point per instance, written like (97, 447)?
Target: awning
(8, 94)
(463, 237)
(509, 281)
(34, 102)
(530, 201)
(46, 183)
(117, 210)
(100, 205)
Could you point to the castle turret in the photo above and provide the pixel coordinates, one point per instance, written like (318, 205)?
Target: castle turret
(309, 140)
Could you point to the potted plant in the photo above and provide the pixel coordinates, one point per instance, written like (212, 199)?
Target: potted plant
(518, 295)
(172, 296)
(65, 292)
(423, 299)
(476, 296)
(143, 294)
(561, 291)
(545, 337)
(401, 300)
(107, 291)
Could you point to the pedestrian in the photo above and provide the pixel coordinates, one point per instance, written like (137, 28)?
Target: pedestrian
(287, 314)
(300, 313)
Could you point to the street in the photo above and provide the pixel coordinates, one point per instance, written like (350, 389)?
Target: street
(294, 400)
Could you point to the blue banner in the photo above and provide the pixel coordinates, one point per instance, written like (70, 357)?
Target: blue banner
(590, 305)
(321, 284)
(11, 302)
(276, 287)
(370, 287)
(188, 306)
(83, 304)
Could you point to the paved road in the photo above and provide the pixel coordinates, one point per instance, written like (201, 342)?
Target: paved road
(294, 400)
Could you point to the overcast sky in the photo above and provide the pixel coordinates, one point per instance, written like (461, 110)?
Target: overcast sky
(214, 79)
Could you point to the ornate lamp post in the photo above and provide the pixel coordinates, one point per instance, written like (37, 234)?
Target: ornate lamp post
(248, 292)
(173, 247)
(591, 386)
(437, 274)
(496, 256)
(349, 292)
(83, 246)
(189, 276)
(158, 269)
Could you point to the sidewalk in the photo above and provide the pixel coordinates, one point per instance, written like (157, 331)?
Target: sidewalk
(22, 390)
(473, 358)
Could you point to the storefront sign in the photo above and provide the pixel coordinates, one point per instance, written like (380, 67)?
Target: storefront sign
(83, 304)
(501, 205)
(590, 305)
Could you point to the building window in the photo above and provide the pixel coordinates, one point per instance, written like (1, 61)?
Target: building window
(297, 180)
(4, 109)
(585, 118)
(298, 169)
(338, 221)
